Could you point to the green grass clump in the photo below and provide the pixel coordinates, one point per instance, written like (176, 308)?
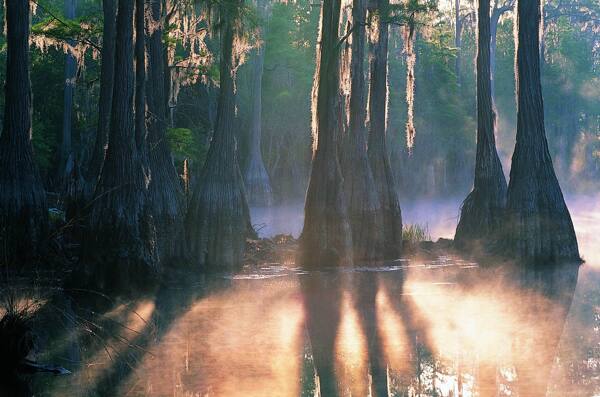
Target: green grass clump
(415, 233)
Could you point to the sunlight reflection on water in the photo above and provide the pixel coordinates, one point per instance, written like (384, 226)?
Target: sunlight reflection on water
(417, 327)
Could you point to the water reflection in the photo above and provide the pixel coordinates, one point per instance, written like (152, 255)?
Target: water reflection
(420, 328)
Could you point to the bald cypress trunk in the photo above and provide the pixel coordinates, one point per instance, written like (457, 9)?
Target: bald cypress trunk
(121, 232)
(218, 220)
(140, 78)
(23, 208)
(364, 207)
(165, 192)
(539, 226)
(107, 72)
(66, 148)
(483, 210)
(258, 186)
(326, 238)
(377, 150)
(457, 39)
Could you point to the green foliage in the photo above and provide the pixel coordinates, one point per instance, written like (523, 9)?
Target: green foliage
(185, 145)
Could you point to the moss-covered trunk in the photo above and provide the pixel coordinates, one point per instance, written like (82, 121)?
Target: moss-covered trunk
(326, 238)
(121, 232)
(23, 208)
(483, 209)
(377, 150)
(218, 220)
(539, 226)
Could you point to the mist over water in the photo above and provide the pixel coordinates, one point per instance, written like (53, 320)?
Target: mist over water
(424, 326)
(438, 216)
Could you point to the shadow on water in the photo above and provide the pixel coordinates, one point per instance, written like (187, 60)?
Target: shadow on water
(443, 327)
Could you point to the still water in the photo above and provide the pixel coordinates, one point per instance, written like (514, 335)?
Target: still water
(441, 326)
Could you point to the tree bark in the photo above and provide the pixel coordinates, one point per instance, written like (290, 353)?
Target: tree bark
(493, 46)
(218, 220)
(326, 238)
(497, 12)
(377, 150)
(23, 208)
(66, 149)
(164, 191)
(483, 210)
(140, 79)
(364, 208)
(539, 226)
(107, 74)
(457, 39)
(258, 185)
(121, 232)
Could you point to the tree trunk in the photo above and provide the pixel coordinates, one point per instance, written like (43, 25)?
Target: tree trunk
(258, 186)
(66, 149)
(493, 46)
(140, 79)
(23, 208)
(457, 39)
(218, 220)
(539, 226)
(482, 210)
(326, 238)
(121, 233)
(107, 75)
(497, 12)
(377, 150)
(164, 191)
(364, 208)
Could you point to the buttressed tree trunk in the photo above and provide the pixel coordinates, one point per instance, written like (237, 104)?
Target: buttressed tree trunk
(258, 186)
(218, 220)
(164, 191)
(364, 208)
(23, 208)
(483, 209)
(539, 227)
(107, 73)
(121, 232)
(326, 238)
(377, 151)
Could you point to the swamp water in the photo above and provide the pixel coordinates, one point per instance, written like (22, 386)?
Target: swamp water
(437, 327)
